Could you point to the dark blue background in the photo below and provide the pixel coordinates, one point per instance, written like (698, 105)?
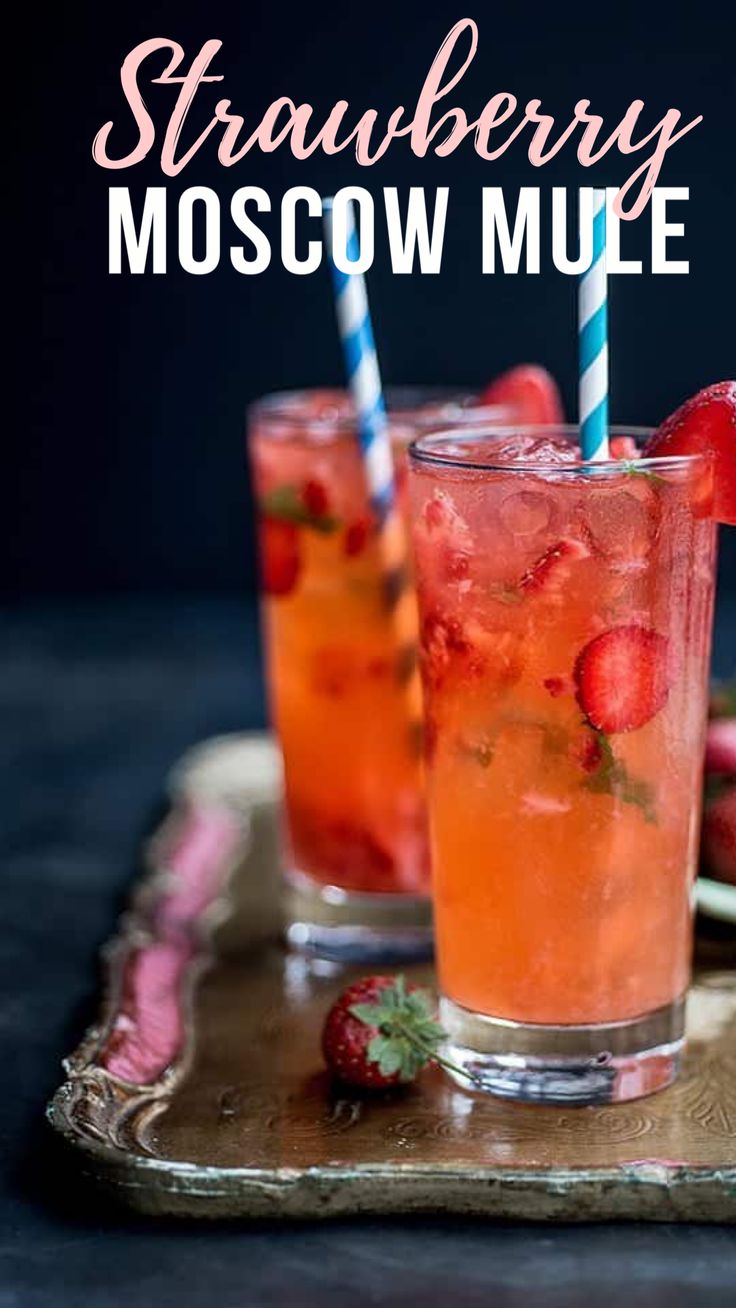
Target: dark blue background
(125, 477)
(126, 456)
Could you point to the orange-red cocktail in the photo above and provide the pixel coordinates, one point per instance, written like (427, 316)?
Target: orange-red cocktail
(565, 618)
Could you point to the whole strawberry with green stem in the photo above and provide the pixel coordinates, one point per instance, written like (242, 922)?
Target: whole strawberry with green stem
(381, 1032)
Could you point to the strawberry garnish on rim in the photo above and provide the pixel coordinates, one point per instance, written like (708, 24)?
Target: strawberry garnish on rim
(705, 424)
(280, 555)
(622, 678)
(530, 391)
(380, 1033)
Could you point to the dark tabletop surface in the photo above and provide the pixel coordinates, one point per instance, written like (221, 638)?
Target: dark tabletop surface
(98, 700)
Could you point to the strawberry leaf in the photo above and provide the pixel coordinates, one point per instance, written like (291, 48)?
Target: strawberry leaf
(387, 1054)
(370, 1014)
(407, 1036)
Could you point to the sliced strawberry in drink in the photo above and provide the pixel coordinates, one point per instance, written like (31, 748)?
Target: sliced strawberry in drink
(555, 686)
(622, 678)
(315, 498)
(706, 423)
(454, 564)
(586, 750)
(624, 447)
(444, 544)
(440, 515)
(280, 555)
(719, 837)
(552, 569)
(442, 642)
(466, 651)
(530, 391)
(356, 536)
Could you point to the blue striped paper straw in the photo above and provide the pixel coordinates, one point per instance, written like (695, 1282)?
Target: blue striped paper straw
(361, 364)
(593, 342)
(364, 381)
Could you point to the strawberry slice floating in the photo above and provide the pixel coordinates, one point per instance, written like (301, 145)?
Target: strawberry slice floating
(622, 678)
(280, 555)
(706, 423)
(530, 391)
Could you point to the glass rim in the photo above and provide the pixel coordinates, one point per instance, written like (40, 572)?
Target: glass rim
(404, 403)
(420, 451)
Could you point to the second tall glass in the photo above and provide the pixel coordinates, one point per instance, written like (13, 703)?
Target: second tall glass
(357, 860)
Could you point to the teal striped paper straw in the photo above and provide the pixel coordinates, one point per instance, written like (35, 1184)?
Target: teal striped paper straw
(593, 342)
(364, 381)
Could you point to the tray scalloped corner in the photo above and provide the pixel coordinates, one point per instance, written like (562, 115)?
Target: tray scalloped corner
(200, 1091)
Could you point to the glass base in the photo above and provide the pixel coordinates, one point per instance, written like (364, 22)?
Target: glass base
(596, 1064)
(349, 927)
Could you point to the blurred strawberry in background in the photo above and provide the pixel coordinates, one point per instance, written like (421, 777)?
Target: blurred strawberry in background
(530, 391)
(719, 818)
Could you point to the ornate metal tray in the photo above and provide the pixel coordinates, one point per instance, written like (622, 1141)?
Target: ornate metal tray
(200, 1091)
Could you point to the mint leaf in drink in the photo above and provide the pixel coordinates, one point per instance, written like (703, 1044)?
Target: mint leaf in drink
(632, 469)
(505, 594)
(611, 777)
(290, 504)
(554, 738)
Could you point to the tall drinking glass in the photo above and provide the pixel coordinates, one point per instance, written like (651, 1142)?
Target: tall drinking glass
(566, 615)
(356, 852)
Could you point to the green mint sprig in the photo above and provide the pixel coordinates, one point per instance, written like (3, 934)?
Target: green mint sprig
(612, 777)
(285, 502)
(632, 469)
